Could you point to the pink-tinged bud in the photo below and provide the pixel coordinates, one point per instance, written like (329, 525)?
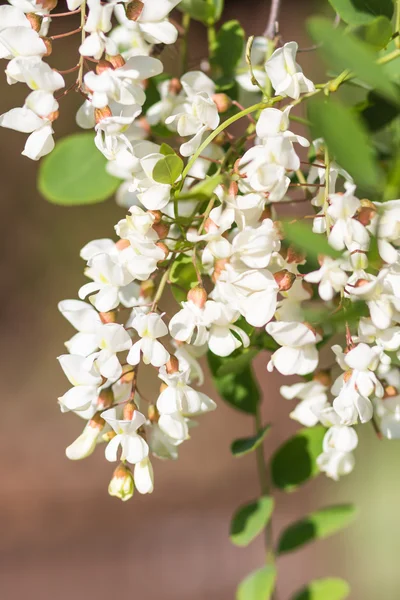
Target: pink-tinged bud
(157, 214)
(233, 188)
(295, 256)
(236, 168)
(48, 5)
(144, 124)
(97, 422)
(121, 485)
(220, 140)
(129, 375)
(222, 102)
(134, 10)
(103, 65)
(366, 213)
(116, 61)
(175, 86)
(147, 289)
(102, 113)
(209, 225)
(198, 296)
(390, 391)
(48, 44)
(324, 377)
(108, 317)
(53, 116)
(285, 279)
(122, 244)
(361, 282)
(129, 410)
(161, 229)
(164, 248)
(172, 365)
(35, 21)
(105, 399)
(219, 266)
(152, 413)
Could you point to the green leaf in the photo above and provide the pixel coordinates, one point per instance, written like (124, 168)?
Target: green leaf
(74, 173)
(166, 149)
(301, 235)
(236, 364)
(295, 461)
(259, 585)
(345, 51)
(377, 112)
(377, 33)
(249, 521)
(182, 277)
(359, 12)
(203, 190)
(316, 526)
(240, 390)
(346, 139)
(244, 446)
(331, 588)
(228, 47)
(205, 11)
(168, 169)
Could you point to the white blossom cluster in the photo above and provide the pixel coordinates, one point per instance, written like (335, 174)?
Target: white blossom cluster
(249, 278)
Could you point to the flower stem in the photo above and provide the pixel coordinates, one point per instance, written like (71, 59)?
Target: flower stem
(184, 42)
(81, 58)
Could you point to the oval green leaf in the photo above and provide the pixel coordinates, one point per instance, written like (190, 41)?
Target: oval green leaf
(75, 174)
(301, 235)
(249, 521)
(347, 140)
(205, 11)
(359, 12)
(294, 462)
(168, 169)
(259, 585)
(244, 446)
(240, 390)
(330, 588)
(316, 526)
(228, 47)
(182, 277)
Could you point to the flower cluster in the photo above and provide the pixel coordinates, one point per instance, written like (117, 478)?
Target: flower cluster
(212, 232)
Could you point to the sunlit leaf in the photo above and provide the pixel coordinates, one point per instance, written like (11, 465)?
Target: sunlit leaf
(358, 12)
(239, 389)
(205, 11)
(228, 47)
(259, 585)
(75, 173)
(301, 235)
(168, 169)
(244, 446)
(250, 520)
(331, 588)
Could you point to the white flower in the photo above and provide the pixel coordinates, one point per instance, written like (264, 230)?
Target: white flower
(161, 444)
(20, 41)
(86, 380)
(298, 354)
(85, 444)
(143, 476)
(331, 278)
(253, 246)
(149, 327)
(190, 319)
(97, 24)
(224, 337)
(337, 458)
(86, 320)
(152, 22)
(37, 74)
(134, 448)
(178, 396)
(108, 278)
(346, 231)
(111, 338)
(286, 75)
(314, 398)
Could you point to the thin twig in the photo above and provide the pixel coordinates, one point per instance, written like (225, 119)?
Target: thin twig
(271, 29)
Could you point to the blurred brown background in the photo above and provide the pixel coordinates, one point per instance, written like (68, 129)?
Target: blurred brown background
(62, 536)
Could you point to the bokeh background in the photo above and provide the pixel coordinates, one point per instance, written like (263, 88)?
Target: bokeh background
(62, 537)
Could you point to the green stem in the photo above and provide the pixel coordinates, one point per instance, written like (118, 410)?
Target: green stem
(397, 24)
(184, 42)
(389, 57)
(211, 37)
(162, 284)
(83, 35)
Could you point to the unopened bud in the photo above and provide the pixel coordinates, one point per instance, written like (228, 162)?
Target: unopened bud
(323, 377)
(295, 256)
(121, 485)
(175, 86)
(209, 225)
(35, 21)
(361, 282)
(220, 140)
(152, 413)
(161, 229)
(219, 266)
(108, 317)
(97, 422)
(105, 399)
(172, 365)
(157, 214)
(366, 213)
(48, 44)
(128, 374)
(117, 61)
(233, 188)
(129, 410)
(164, 248)
(198, 296)
(147, 289)
(102, 113)
(48, 5)
(222, 102)
(285, 279)
(122, 244)
(53, 116)
(390, 391)
(103, 65)
(134, 10)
